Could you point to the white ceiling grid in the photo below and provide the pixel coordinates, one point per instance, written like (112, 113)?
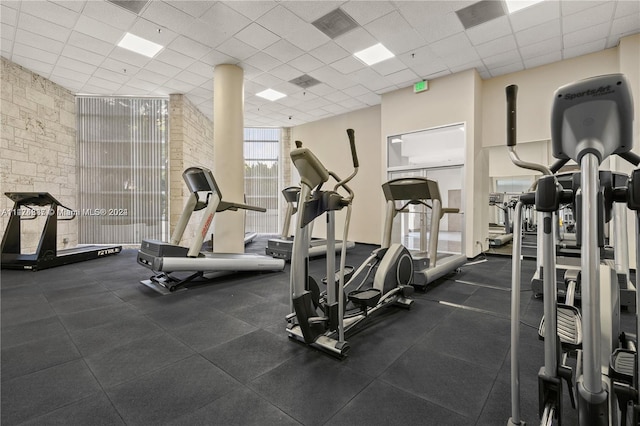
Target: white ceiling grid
(73, 43)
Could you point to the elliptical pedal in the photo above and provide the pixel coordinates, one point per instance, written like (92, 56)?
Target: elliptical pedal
(569, 327)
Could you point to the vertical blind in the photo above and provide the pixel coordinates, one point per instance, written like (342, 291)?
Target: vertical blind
(261, 178)
(122, 155)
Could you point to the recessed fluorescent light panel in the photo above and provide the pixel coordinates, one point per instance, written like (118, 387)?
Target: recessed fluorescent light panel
(374, 54)
(270, 94)
(140, 45)
(516, 5)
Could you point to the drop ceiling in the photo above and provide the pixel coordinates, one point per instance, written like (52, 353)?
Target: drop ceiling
(74, 43)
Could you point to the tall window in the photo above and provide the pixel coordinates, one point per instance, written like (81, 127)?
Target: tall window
(122, 156)
(261, 178)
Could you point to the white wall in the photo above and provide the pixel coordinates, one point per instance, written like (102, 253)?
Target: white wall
(328, 140)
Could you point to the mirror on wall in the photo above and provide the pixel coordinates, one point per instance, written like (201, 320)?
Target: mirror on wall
(437, 154)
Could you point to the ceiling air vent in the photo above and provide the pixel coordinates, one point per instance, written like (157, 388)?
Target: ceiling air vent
(304, 81)
(134, 6)
(479, 13)
(335, 23)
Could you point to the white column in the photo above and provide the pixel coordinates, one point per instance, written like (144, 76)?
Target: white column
(228, 156)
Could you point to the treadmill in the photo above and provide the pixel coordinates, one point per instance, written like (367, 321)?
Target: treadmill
(46, 255)
(168, 258)
(282, 247)
(500, 235)
(429, 265)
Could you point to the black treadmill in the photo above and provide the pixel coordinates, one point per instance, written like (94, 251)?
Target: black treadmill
(47, 255)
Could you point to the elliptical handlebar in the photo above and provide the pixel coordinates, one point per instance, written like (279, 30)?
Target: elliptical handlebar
(352, 141)
(512, 93)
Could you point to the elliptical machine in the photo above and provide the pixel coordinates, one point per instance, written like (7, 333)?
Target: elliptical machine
(321, 319)
(591, 120)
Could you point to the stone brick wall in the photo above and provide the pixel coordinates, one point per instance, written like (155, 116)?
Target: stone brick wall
(190, 144)
(37, 147)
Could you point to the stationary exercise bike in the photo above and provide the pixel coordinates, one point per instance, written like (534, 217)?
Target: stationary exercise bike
(591, 120)
(320, 318)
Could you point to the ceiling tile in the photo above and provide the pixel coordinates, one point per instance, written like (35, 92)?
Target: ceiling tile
(311, 10)
(99, 30)
(494, 47)
(488, 31)
(236, 49)
(329, 52)
(257, 36)
(395, 33)
(455, 50)
(8, 16)
(627, 8)
(224, 19)
(168, 15)
(542, 48)
(586, 35)
(125, 70)
(584, 49)
(38, 41)
(285, 72)
(366, 11)
(356, 40)
(70, 74)
(283, 51)
(34, 65)
(587, 18)
(370, 79)
(538, 33)
(162, 68)
(337, 96)
(262, 61)
(75, 5)
(202, 69)
(332, 77)
(34, 53)
(502, 59)
(192, 78)
(369, 99)
(308, 39)
(282, 22)
(132, 58)
(96, 82)
(252, 9)
(43, 28)
(195, 8)
(305, 63)
(547, 58)
(76, 65)
(356, 90)
(321, 89)
(82, 55)
(151, 31)
(201, 32)
(403, 78)
(535, 15)
(214, 58)
(506, 69)
(84, 41)
(624, 26)
(189, 47)
(104, 11)
(67, 83)
(439, 27)
(50, 12)
(575, 6)
(169, 56)
(390, 66)
(151, 76)
(115, 77)
(348, 65)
